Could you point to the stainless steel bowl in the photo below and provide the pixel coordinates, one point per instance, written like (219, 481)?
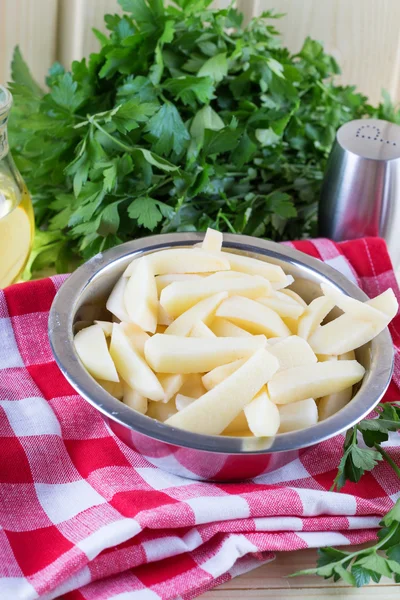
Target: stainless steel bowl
(82, 299)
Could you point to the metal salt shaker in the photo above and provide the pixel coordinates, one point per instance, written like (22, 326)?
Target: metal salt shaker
(361, 190)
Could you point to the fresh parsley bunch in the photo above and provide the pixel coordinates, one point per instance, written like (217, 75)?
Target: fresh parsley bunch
(184, 119)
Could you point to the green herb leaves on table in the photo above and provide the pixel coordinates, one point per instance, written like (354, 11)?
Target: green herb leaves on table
(184, 119)
(359, 567)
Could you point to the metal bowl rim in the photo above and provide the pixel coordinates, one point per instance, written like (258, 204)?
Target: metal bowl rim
(61, 318)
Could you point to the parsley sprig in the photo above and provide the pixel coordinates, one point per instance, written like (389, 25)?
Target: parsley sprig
(357, 459)
(184, 119)
(383, 558)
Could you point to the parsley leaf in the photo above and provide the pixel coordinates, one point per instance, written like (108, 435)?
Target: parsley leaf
(139, 9)
(191, 89)
(109, 220)
(356, 460)
(157, 69)
(21, 74)
(267, 137)
(364, 459)
(168, 130)
(393, 516)
(218, 142)
(65, 93)
(216, 68)
(148, 212)
(361, 575)
(45, 252)
(140, 88)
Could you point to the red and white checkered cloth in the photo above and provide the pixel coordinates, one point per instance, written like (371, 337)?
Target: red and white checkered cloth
(84, 516)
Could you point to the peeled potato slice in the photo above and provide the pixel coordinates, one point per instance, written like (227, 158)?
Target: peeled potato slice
(182, 401)
(262, 415)
(254, 266)
(295, 297)
(174, 354)
(291, 323)
(342, 335)
(217, 375)
(234, 274)
(106, 327)
(183, 260)
(275, 340)
(238, 426)
(133, 399)
(313, 316)
(163, 317)
(163, 280)
(181, 295)
(193, 386)
(132, 367)
(230, 396)
(171, 384)
(361, 310)
(329, 405)
(201, 330)
(292, 351)
(314, 381)
(253, 316)
(91, 347)
(202, 311)
(212, 241)
(361, 322)
(327, 357)
(116, 303)
(135, 335)
(161, 411)
(280, 285)
(298, 415)
(115, 388)
(223, 328)
(282, 306)
(140, 296)
(386, 303)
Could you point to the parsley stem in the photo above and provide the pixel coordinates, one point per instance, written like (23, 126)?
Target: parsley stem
(355, 431)
(227, 38)
(111, 137)
(224, 218)
(157, 186)
(326, 90)
(349, 556)
(388, 459)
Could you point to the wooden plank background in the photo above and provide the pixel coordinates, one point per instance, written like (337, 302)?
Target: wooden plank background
(361, 34)
(33, 25)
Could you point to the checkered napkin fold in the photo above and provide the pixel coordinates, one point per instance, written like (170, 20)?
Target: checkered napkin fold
(85, 517)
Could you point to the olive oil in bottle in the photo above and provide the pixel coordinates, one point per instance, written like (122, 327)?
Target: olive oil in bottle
(16, 212)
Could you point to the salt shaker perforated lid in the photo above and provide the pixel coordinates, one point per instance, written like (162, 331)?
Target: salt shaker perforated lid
(360, 194)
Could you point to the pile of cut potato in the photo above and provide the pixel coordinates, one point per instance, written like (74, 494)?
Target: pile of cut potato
(217, 343)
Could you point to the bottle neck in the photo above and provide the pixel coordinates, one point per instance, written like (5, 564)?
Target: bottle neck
(3, 134)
